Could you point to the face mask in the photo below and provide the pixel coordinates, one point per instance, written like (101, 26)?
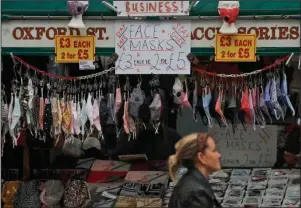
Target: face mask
(76, 119)
(41, 113)
(284, 93)
(218, 107)
(230, 14)
(67, 120)
(206, 101)
(60, 117)
(54, 112)
(96, 119)
(155, 108)
(136, 100)
(89, 109)
(47, 119)
(83, 117)
(118, 100)
(16, 114)
(30, 93)
(126, 125)
(258, 113)
(185, 95)
(251, 110)
(177, 90)
(111, 110)
(277, 109)
(10, 110)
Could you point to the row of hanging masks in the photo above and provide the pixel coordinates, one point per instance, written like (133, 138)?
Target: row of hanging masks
(253, 100)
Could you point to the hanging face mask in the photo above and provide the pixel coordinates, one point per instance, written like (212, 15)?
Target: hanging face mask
(75, 118)
(111, 110)
(206, 102)
(83, 117)
(96, 118)
(118, 100)
(277, 108)
(76, 9)
(231, 111)
(258, 113)
(185, 95)
(218, 107)
(284, 93)
(155, 108)
(177, 90)
(135, 101)
(89, 109)
(16, 115)
(126, 124)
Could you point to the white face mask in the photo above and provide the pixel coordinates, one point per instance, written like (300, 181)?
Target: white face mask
(177, 90)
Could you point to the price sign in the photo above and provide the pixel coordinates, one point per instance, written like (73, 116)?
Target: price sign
(235, 48)
(73, 49)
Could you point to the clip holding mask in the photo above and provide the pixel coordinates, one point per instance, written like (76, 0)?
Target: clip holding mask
(77, 9)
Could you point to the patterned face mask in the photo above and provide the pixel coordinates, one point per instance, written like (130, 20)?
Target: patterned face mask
(136, 100)
(185, 95)
(155, 108)
(177, 90)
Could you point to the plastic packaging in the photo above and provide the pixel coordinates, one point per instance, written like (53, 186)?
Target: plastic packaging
(261, 172)
(240, 173)
(232, 202)
(275, 192)
(293, 191)
(234, 193)
(279, 172)
(254, 193)
(291, 202)
(251, 200)
(271, 201)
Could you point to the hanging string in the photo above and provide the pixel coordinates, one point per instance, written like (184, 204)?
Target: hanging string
(16, 58)
(276, 63)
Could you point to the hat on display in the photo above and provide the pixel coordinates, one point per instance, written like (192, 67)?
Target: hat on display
(91, 142)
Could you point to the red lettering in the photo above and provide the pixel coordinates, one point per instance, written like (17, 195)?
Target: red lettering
(263, 33)
(28, 35)
(18, 33)
(273, 33)
(283, 33)
(51, 33)
(40, 32)
(212, 29)
(294, 33)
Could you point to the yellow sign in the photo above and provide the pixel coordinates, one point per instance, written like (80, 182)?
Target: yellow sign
(73, 49)
(235, 48)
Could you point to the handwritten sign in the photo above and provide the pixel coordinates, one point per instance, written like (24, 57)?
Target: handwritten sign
(235, 48)
(152, 47)
(246, 148)
(73, 49)
(152, 8)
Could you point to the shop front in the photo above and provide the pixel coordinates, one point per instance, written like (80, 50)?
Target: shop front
(128, 84)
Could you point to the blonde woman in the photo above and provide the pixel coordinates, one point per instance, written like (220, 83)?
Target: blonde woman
(197, 152)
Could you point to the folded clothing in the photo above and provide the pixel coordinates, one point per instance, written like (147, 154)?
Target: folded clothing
(124, 201)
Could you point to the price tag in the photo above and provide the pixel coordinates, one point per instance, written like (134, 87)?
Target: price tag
(86, 65)
(73, 49)
(235, 48)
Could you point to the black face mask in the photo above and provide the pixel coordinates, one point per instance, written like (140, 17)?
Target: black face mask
(213, 113)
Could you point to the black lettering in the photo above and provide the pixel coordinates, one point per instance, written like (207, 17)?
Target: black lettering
(144, 45)
(168, 43)
(133, 47)
(159, 44)
(152, 44)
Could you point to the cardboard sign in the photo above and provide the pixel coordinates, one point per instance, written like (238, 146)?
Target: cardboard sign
(152, 8)
(235, 48)
(152, 47)
(73, 49)
(246, 148)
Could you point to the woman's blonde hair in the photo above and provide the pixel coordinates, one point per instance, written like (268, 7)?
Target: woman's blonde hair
(186, 152)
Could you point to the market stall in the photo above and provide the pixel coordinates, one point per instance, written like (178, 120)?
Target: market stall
(127, 80)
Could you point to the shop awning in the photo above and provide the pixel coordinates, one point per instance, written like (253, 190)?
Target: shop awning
(96, 8)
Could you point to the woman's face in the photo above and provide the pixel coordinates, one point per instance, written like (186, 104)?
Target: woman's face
(210, 159)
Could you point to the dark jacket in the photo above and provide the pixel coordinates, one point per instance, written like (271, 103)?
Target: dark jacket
(193, 191)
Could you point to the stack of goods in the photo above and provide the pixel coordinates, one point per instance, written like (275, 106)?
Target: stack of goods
(143, 189)
(105, 171)
(260, 187)
(103, 194)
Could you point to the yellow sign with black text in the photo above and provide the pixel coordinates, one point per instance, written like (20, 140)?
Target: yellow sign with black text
(235, 48)
(73, 49)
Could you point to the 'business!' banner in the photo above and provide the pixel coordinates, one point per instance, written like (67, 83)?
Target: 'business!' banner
(40, 34)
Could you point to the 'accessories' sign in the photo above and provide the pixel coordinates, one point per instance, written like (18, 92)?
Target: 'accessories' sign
(39, 33)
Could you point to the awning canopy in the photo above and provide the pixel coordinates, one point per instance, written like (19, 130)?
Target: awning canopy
(96, 8)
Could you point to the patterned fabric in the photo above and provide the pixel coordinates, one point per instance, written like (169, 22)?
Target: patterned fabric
(47, 118)
(28, 195)
(76, 194)
(135, 101)
(124, 201)
(9, 192)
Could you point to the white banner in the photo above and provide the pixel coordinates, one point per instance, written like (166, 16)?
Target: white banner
(246, 148)
(152, 47)
(40, 33)
(151, 8)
